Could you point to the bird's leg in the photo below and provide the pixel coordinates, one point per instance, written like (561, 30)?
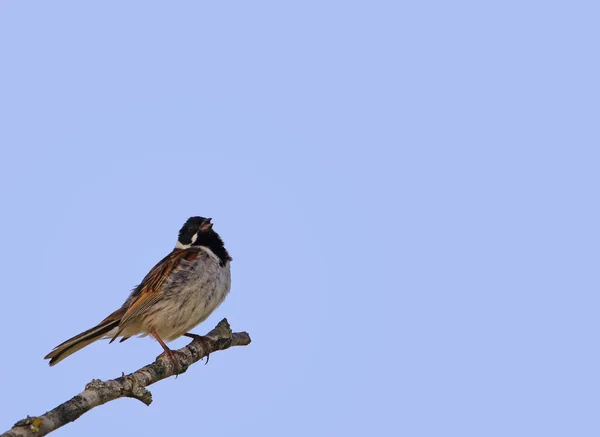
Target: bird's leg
(168, 352)
(205, 343)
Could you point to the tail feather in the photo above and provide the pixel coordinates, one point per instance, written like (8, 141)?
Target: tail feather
(80, 341)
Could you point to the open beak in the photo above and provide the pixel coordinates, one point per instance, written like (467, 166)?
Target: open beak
(206, 225)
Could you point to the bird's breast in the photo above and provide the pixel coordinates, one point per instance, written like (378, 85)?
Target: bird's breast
(192, 293)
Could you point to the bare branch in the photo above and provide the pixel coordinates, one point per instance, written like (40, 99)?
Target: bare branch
(132, 386)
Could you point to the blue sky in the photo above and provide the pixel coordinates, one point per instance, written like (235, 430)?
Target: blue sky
(408, 190)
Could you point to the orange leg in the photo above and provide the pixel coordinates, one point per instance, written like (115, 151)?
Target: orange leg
(168, 352)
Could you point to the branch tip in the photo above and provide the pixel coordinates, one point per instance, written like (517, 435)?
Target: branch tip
(134, 385)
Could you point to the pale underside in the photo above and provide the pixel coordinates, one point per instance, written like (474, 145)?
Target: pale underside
(192, 292)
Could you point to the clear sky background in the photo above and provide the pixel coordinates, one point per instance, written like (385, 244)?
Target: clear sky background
(409, 191)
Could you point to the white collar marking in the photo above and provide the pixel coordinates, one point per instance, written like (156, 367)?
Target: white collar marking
(204, 248)
(180, 245)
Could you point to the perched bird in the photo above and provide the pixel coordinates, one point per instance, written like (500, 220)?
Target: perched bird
(181, 291)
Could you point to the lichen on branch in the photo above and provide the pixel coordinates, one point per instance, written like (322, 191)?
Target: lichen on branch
(131, 386)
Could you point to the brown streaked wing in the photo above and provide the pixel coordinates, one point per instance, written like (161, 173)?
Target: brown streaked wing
(149, 291)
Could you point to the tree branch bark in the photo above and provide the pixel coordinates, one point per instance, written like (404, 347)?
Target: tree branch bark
(132, 386)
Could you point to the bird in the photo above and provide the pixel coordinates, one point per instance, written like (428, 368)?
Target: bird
(176, 295)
